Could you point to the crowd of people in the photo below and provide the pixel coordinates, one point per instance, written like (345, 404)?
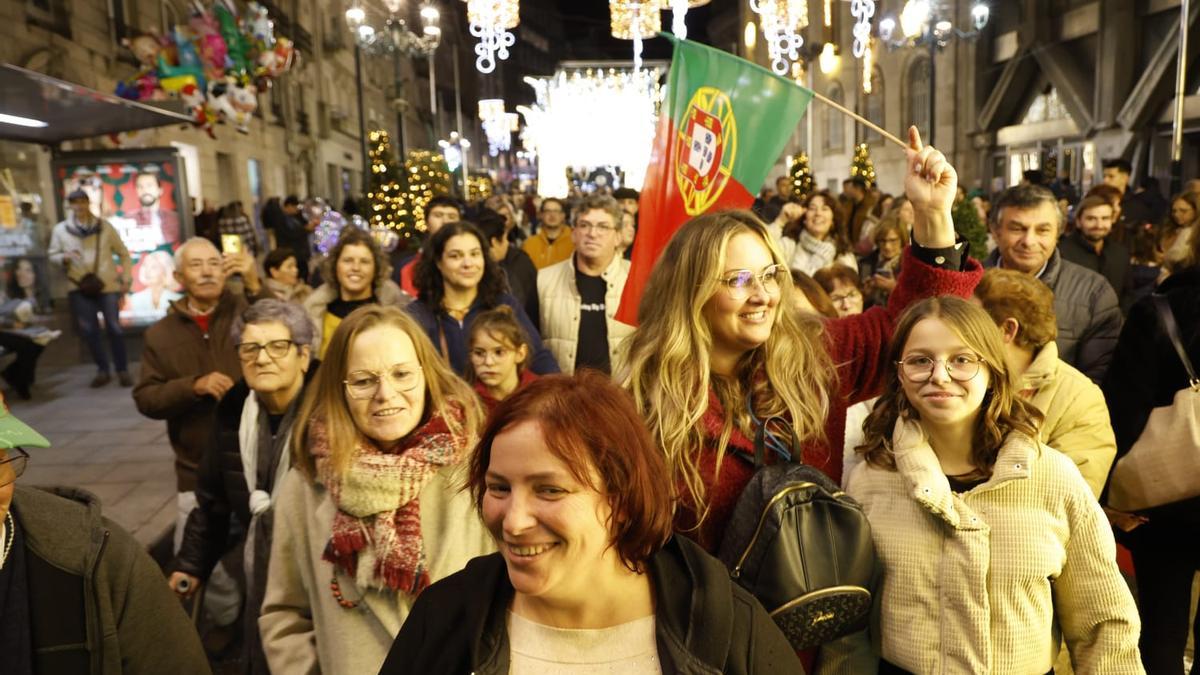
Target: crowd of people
(457, 460)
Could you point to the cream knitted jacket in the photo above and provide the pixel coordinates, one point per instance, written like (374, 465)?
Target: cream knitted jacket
(984, 581)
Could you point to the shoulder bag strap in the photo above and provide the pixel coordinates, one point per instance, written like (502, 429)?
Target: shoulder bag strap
(760, 439)
(1172, 328)
(96, 262)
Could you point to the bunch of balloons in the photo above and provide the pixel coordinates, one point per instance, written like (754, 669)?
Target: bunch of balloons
(216, 63)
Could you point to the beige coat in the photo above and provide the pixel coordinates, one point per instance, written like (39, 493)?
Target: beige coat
(1077, 423)
(559, 303)
(304, 629)
(984, 582)
(63, 243)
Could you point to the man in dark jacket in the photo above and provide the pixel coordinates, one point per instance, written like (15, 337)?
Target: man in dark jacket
(77, 593)
(1091, 245)
(517, 265)
(294, 234)
(1026, 223)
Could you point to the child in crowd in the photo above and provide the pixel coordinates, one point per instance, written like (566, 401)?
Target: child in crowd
(499, 356)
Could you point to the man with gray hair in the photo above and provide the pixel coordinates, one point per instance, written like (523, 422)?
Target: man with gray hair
(240, 469)
(1026, 224)
(189, 363)
(578, 297)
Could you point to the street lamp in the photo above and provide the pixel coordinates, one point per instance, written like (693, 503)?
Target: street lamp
(922, 24)
(394, 38)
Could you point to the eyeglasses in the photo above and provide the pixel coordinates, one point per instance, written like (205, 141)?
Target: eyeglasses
(584, 226)
(276, 349)
(12, 466)
(741, 282)
(362, 384)
(845, 297)
(960, 367)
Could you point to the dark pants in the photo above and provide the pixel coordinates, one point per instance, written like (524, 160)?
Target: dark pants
(21, 373)
(84, 311)
(1165, 560)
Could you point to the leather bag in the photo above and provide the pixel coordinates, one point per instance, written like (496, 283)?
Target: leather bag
(90, 284)
(803, 547)
(1163, 465)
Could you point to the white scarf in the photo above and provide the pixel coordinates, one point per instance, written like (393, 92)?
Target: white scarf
(260, 500)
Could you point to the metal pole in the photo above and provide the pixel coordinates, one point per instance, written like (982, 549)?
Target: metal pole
(400, 105)
(1180, 83)
(433, 107)
(932, 88)
(362, 119)
(462, 133)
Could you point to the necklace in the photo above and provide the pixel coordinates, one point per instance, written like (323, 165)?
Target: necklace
(11, 533)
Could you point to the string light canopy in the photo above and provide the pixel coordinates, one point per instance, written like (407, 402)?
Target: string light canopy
(679, 9)
(630, 20)
(491, 21)
(782, 22)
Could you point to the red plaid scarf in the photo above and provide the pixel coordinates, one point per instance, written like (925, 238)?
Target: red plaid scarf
(378, 518)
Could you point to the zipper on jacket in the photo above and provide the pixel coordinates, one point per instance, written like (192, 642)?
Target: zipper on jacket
(762, 521)
(97, 623)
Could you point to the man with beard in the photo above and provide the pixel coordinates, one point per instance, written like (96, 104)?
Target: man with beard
(150, 213)
(1091, 245)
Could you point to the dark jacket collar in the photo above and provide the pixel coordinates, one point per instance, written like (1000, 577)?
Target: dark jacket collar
(52, 531)
(1049, 276)
(224, 305)
(1186, 278)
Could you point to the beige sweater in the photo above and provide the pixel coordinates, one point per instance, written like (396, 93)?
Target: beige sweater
(304, 629)
(63, 244)
(983, 582)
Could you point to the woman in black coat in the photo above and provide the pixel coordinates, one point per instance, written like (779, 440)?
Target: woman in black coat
(1145, 374)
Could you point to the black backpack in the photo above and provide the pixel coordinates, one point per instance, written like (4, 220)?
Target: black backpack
(803, 547)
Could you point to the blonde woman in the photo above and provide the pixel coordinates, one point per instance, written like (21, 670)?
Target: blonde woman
(992, 544)
(371, 513)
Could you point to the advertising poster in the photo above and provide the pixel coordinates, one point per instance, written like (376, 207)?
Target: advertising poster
(143, 197)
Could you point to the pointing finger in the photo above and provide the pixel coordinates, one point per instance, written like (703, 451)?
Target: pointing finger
(914, 139)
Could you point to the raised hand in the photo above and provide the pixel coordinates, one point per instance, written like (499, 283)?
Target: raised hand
(930, 183)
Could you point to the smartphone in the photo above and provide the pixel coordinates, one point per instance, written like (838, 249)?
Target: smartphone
(231, 243)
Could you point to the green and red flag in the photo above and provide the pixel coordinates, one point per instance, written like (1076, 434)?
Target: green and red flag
(723, 123)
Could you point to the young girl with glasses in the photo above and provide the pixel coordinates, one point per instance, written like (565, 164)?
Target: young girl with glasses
(498, 352)
(994, 549)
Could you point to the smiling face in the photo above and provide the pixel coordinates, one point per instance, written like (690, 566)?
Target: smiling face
(201, 275)
(388, 415)
(941, 400)
(1096, 222)
(818, 220)
(266, 375)
(1027, 237)
(739, 324)
(355, 272)
(551, 529)
(495, 361)
(148, 190)
(462, 261)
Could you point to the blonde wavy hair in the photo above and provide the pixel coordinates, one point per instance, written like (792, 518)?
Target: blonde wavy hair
(669, 371)
(326, 396)
(1004, 411)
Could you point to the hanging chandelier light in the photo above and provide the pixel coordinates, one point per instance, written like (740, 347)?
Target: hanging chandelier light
(782, 21)
(497, 125)
(491, 21)
(679, 10)
(635, 21)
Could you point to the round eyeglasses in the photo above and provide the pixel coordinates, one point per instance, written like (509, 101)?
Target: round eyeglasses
(960, 367)
(740, 283)
(276, 349)
(362, 384)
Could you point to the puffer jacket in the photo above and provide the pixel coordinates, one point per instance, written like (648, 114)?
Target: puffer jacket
(63, 241)
(704, 624)
(387, 293)
(1089, 314)
(98, 603)
(559, 301)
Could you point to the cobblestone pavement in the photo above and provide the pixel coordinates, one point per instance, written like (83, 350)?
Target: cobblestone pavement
(102, 444)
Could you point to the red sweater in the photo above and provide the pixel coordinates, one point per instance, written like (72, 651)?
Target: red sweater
(489, 402)
(859, 346)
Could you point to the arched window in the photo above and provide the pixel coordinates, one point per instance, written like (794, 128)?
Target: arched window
(835, 123)
(873, 106)
(918, 97)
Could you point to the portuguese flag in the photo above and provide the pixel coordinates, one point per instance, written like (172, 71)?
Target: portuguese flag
(723, 123)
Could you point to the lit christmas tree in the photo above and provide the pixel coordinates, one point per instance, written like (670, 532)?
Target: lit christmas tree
(428, 177)
(862, 166)
(387, 206)
(479, 187)
(802, 177)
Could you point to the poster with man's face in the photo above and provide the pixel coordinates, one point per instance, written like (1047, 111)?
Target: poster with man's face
(141, 199)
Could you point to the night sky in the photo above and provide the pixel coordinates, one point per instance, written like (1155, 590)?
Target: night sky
(586, 25)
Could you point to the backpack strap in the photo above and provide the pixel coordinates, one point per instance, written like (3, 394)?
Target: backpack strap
(1167, 317)
(764, 437)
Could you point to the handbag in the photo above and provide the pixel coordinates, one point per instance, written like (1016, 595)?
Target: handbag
(90, 284)
(802, 547)
(1163, 465)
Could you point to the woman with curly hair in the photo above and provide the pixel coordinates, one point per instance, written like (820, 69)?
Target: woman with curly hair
(992, 544)
(823, 240)
(456, 280)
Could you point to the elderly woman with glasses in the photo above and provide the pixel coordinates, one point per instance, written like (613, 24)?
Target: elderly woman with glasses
(371, 512)
(248, 455)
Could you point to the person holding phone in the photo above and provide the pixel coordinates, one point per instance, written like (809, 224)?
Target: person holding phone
(879, 269)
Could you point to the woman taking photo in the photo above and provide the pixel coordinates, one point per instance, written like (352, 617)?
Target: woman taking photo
(824, 240)
(588, 577)
(371, 513)
(499, 356)
(356, 273)
(991, 543)
(456, 281)
(879, 268)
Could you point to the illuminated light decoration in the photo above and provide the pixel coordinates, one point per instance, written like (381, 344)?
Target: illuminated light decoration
(798, 71)
(679, 9)
(491, 21)
(479, 187)
(828, 13)
(496, 125)
(387, 206)
(750, 36)
(557, 125)
(868, 62)
(782, 21)
(979, 14)
(634, 21)
(914, 17)
(862, 11)
(829, 59)
(453, 149)
(428, 177)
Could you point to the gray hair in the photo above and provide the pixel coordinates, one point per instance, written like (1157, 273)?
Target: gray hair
(269, 310)
(602, 203)
(1024, 197)
(189, 244)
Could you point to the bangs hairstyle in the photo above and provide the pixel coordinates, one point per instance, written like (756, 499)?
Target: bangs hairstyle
(326, 399)
(1003, 410)
(839, 232)
(351, 235)
(594, 428)
(669, 371)
(501, 325)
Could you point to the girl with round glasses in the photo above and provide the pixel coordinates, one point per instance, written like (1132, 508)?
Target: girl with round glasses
(993, 547)
(499, 356)
(371, 513)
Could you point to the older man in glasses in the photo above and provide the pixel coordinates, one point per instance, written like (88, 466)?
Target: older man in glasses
(77, 593)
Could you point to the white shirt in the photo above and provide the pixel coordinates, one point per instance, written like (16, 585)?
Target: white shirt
(628, 648)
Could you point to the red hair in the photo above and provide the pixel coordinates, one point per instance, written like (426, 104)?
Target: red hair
(593, 427)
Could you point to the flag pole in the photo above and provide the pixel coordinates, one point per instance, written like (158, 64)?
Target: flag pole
(860, 119)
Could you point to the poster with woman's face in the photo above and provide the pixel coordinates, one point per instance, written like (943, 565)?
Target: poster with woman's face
(141, 200)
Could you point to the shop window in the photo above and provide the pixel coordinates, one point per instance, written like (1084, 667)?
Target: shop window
(873, 106)
(918, 97)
